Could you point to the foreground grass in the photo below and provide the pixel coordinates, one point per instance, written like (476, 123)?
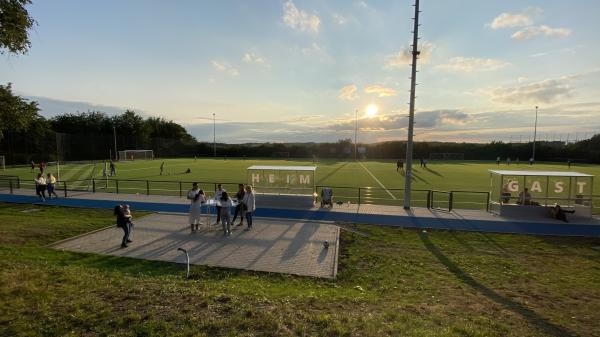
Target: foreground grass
(395, 282)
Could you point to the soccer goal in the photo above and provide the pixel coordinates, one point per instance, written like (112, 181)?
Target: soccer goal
(136, 155)
(446, 156)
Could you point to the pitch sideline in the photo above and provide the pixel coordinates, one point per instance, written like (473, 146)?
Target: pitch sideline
(377, 180)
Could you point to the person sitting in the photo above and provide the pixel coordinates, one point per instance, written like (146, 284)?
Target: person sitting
(326, 196)
(506, 194)
(188, 171)
(525, 197)
(559, 213)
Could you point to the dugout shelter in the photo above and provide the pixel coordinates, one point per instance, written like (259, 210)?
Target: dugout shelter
(570, 190)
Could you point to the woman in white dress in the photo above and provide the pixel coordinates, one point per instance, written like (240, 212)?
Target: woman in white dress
(196, 198)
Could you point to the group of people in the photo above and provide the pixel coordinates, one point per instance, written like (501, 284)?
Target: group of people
(43, 184)
(41, 165)
(400, 164)
(556, 212)
(244, 207)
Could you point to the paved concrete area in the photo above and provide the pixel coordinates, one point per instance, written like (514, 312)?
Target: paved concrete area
(279, 246)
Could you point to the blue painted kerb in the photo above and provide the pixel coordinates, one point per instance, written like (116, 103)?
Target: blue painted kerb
(517, 227)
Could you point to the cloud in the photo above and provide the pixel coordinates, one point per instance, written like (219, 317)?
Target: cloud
(299, 19)
(348, 92)
(511, 20)
(533, 31)
(472, 64)
(545, 91)
(339, 19)
(225, 67)
(425, 119)
(381, 91)
(252, 57)
(404, 57)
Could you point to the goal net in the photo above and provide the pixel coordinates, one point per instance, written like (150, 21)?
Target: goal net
(136, 155)
(446, 156)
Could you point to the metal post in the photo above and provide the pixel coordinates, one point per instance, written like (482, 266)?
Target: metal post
(429, 199)
(359, 195)
(117, 185)
(187, 256)
(450, 200)
(65, 188)
(180, 190)
(93, 185)
(18, 182)
(11, 186)
(487, 203)
(147, 187)
(535, 132)
(411, 112)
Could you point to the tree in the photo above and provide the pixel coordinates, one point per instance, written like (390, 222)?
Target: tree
(16, 113)
(14, 25)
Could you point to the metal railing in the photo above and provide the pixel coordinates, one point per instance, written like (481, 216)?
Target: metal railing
(434, 199)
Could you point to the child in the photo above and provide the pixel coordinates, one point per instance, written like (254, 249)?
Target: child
(127, 215)
(51, 183)
(226, 203)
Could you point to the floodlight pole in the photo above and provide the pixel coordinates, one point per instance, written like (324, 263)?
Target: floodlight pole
(534, 132)
(355, 133)
(214, 137)
(411, 111)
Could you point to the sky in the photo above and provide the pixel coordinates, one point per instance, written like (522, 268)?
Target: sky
(301, 71)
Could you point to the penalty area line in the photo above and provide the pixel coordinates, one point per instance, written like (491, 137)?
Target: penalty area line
(377, 180)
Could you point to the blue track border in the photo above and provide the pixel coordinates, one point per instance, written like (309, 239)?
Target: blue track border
(477, 225)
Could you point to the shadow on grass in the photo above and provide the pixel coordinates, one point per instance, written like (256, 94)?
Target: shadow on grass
(330, 174)
(433, 172)
(509, 304)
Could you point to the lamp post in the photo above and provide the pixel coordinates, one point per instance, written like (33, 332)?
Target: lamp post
(411, 111)
(355, 134)
(534, 133)
(115, 140)
(214, 137)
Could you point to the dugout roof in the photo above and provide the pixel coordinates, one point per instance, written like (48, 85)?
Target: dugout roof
(540, 173)
(283, 168)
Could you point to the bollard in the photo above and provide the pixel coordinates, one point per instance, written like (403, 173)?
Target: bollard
(187, 256)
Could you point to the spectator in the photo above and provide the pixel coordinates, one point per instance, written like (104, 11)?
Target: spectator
(505, 194)
(40, 187)
(225, 205)
(250, 206)
(525, 197)
(124, 224)
(239, 208)
(218, 193)
(196, 198)
(560, 214)
(50, 185)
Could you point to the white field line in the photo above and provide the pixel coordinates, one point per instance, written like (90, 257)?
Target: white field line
(377, 180)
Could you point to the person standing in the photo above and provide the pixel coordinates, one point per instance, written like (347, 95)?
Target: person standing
(40, 187)
(239, 208)
(531, 161)
(421, 161)
(569, 163)
(399, 165)
(32, 166)
(250, 206)
(218, 192)
(50, 185)
(113, 169)
(507, 161)
(226, 204)
(124, 224)
(42, 167)
(162, 166)
(498, 161)
(196, 199)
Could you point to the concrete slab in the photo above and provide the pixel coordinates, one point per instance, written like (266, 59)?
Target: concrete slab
(278, 246)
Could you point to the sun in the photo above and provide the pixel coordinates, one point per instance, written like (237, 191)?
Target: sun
(372, 110)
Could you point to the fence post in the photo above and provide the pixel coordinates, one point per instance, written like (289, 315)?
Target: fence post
(429, 199)
(93, 185)
(117, 185)
(10, 185)
(65, 188)
(487, 202)
(359, 195)
(180, 191)
(450, 200)
(147, 187)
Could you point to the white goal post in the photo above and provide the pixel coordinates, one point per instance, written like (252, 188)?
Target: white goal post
(446, 156)
(136, 155)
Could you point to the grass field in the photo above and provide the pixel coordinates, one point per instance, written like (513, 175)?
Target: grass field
(380, 175)
(395, 282)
